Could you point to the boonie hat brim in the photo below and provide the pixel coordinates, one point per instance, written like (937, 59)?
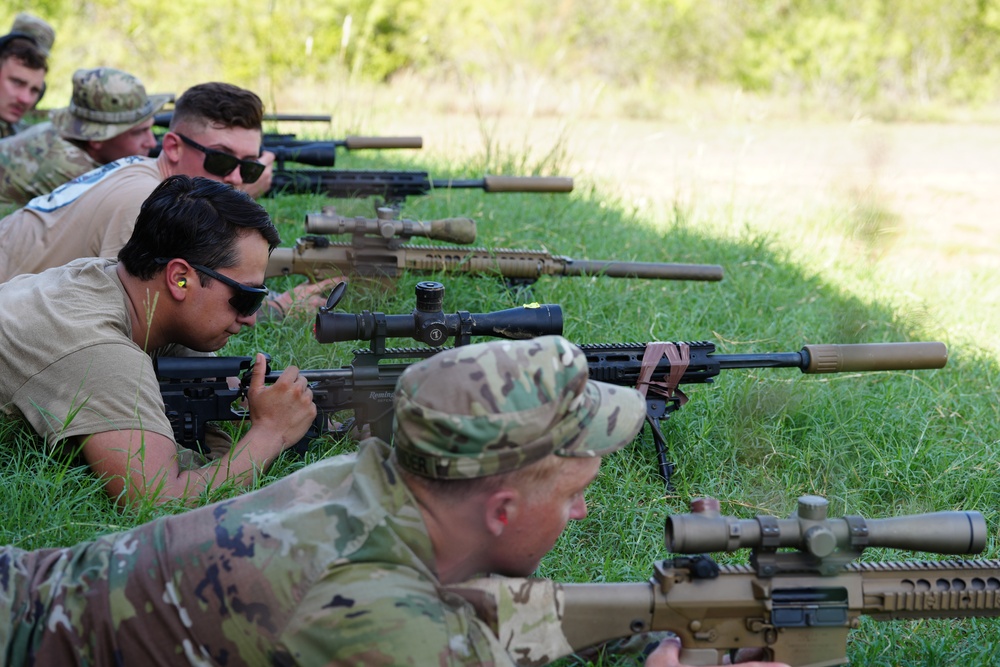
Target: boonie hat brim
(71, 126)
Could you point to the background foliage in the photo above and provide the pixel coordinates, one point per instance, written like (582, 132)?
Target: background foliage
(870, 55)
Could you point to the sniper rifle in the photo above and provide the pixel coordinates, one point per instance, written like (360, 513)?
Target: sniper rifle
(797, 606)
(393, 187)
(377, 250)
(194, 396)
(656, 369)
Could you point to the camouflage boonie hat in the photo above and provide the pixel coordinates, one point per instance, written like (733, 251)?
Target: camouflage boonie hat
(37, 29)
(490, 408)
(106, 102)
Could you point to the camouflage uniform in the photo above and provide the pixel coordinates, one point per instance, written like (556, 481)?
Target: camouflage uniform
(37, 161)
(332, 564)
(10, 129)
(106, 103)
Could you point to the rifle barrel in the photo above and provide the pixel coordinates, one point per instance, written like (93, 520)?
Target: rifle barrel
(874, 357)
(317, 154)
(845, 358)
(355, 143)
(653, 270)
(298, 117)
(397, 185)
(511, 183)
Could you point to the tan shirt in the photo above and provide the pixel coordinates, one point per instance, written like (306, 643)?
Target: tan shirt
(68, 362)
(91, 216)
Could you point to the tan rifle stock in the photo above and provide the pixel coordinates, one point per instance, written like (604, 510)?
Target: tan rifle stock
(738, 609)
(377, 250)
(320, 259)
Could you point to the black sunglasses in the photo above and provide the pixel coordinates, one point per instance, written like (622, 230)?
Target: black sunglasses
(246, 299)
(222, 164)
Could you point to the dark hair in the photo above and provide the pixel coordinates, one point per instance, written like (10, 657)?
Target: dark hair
(23, 47)
(220, 104)
(196, 219)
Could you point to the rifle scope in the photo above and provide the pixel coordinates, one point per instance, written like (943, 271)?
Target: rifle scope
(324, 153)
(386, 226)
(429, 324)
(809, 530)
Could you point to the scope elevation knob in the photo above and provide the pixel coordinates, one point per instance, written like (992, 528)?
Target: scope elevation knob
(430, 296)
(812, 508)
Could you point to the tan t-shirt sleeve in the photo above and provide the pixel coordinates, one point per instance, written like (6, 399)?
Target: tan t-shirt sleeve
(101, 388)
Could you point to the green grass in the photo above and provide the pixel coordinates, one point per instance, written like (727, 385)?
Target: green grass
(876, 444)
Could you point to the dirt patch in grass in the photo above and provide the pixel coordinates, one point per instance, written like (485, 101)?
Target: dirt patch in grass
(918, 198)
(940, 183)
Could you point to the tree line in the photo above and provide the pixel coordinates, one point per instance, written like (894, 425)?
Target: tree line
(867, 51)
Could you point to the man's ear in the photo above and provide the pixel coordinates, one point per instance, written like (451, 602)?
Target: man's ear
(501, 509)
(93, 149)
(171, 146)
(178, 276)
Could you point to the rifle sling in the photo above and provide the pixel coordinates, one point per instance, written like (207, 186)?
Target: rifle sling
(679, 355)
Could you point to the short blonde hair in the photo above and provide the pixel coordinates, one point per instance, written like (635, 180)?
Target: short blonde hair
(529, 479)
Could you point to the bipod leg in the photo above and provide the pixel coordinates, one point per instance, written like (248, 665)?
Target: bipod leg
(666, 466)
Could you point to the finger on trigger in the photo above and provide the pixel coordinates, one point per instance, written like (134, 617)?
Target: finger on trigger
(259, 371)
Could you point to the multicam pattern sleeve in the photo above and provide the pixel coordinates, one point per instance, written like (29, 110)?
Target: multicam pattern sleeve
(524, 613)
(37, 161)
(371, 614)
(330, 565)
